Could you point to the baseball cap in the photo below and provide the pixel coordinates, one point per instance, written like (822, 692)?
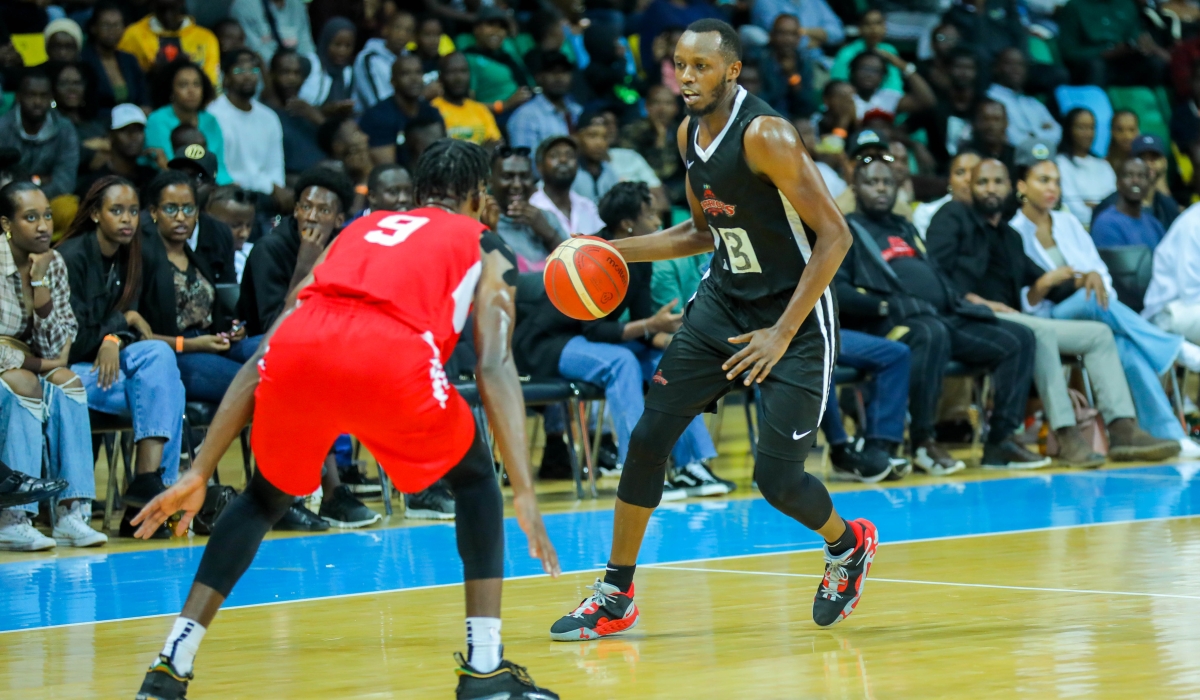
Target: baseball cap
(124, 115)
(1031, 152)
(549, 143)
(865, 139)
(1147, 143)
(196, 159)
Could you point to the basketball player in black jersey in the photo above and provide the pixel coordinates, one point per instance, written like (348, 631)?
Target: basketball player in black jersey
(764, 314)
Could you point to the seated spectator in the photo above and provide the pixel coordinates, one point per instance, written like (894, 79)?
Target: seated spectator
(868, 146)
(179, 300)
(119, 78)
(74, 99)
(1103, 43)
(420, 133)
(211, 240)
(272, 25)
(64, 39)
(989, 133)
(595, 175)
(286, 255)
(872, 28)
(230, 35)
(945, 42)
(374, 78)
(347, 144)
(298, 119)
(628, 164)
(1185, 118)
(530, 221)
(186, 135)
(867, 74)
(497, 77)
(252, 133)
(556, 194)
(787, 75)
(819, 25)
(167, 35)
(550, 113)
(46, 140)
(44, 403)
(990, 28)
(841, 112)
(126, 148)
(830, 163)
(465, 118)
(389, 188)
(1125, 129)
(428, 49)
(619, 355)
(936, 323)
(984, 256)
(1027, 117)
(384, 123)
(1056, 241)
(660, 16)
(1173, 297)
(123, 371)
(655, 139)
(948, 123)
(1086, 179)
(181, 92)
(1157, 199)
(231, 206)
(331, 83)
(609, 76)
(959, 190)
(1128, 221)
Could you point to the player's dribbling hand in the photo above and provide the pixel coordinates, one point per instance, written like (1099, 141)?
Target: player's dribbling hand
(763, 349)
(530, 520)
(185, 495)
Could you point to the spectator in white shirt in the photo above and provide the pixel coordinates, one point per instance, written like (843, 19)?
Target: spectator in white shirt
(252, 132)
(558, 162)
(1027, 117)
(959, 190)
(1086, 179)
(1173, 298)
(867, 71)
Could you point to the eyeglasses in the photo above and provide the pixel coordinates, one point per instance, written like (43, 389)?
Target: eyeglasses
(508, 151)
(242, 71)
(867, 160)
(173, 209)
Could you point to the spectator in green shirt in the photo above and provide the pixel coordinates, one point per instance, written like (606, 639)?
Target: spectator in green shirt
(677, 279)
(872, 28)
(1103, 43)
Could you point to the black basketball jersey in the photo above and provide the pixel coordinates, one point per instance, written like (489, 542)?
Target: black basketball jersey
(761, 243)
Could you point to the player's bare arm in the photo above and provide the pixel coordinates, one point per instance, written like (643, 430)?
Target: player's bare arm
(500, 389)
(774, 151)
(234, 413)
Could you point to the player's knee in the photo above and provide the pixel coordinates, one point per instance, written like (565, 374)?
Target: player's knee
(790, 489)
(23, 383)
(267, 498)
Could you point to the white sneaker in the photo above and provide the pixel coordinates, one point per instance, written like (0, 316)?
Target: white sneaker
(696, 480)
(73, 527)
(17, 534)
(1189, 356)
(1188, 449)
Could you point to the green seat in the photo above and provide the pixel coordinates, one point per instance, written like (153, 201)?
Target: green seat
(1152, 107)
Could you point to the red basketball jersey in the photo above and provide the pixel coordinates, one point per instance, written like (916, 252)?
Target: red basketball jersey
(419, 267)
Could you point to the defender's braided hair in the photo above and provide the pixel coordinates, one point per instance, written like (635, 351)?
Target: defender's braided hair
(451, 169)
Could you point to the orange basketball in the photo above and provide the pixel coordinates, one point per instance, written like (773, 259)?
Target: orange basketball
(586, 278)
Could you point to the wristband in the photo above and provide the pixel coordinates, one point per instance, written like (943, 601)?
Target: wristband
(179, 343)
(112, 338)
(910, 69)
(840, 132)
(498, 106)
(794, 79)
(362, 189)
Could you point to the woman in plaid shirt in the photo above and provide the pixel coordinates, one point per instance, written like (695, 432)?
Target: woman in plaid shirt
(42, 403)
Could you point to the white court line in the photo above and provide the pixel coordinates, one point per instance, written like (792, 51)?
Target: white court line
(731, 557)
(940, 583)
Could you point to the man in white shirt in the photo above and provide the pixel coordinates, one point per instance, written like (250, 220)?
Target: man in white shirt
(1027, 118)
(1173, 298)
(252, 131)
(558, 162)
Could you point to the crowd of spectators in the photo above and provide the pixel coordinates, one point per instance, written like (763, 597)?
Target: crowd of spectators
(177, 165)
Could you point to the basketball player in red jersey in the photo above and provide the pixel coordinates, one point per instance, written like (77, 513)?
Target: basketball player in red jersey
(398, 289)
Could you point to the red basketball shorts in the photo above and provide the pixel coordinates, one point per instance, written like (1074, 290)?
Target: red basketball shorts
(338, 367)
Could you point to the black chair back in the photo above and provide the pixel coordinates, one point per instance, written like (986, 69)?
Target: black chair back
(1131, 267)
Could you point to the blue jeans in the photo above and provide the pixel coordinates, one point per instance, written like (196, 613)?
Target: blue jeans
(149, 391)
(888, 364)
(620, 369)
(206, 376)
(57, 423)
(1146, 353)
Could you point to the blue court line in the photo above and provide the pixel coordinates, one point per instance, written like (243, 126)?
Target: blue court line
(94, 588)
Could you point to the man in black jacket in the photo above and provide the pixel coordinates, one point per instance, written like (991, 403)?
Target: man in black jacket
(887, 286)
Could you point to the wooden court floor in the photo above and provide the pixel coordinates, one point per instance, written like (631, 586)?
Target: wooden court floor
(1103, 611)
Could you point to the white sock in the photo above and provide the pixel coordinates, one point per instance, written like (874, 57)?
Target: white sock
(1189, 356)
(483, 643)
(183, 643)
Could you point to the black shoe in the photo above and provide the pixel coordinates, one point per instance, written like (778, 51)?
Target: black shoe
(300, 519)
(1007, 454)
(343, 510)
(845, 575)
(508, 682)
(901, 466)
(143, 489)
(16, 489)
(606, 458)
(556, 460)
(163, 682)
(696, 480)
(868, 465)
(360, 484)
(127, 528)
(434, 503)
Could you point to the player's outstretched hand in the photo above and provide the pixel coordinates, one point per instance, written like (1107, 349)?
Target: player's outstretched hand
(530, 520)
(763, 349)
(185, 495)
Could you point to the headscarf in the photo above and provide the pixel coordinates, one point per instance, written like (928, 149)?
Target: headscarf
(68, 26)
(341, 88)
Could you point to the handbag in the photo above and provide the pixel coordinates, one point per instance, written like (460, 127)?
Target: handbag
(1090, 423)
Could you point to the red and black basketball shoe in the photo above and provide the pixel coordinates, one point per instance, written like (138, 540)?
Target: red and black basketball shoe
(845, 575)
(607, 611)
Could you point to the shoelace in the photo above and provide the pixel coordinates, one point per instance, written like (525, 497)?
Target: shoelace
(835, 575)
(520, 673)
(697, 470)
(598, 596)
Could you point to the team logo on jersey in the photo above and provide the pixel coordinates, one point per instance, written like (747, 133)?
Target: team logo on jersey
(659, 379)
(713, 206)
